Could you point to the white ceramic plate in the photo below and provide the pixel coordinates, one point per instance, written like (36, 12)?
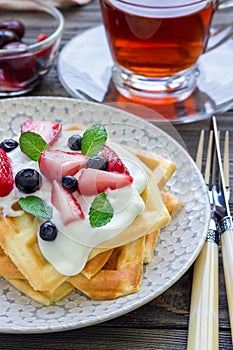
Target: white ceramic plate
(178, 246)
(85, 63)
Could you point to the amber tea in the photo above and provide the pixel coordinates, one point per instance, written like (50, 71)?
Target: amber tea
(155, 43)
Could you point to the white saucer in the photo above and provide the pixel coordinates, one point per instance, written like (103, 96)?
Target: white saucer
(84, 68)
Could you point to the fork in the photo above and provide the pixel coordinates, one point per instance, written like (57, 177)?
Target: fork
(203, 322)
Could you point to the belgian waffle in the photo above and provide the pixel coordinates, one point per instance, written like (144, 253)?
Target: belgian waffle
(109, 273)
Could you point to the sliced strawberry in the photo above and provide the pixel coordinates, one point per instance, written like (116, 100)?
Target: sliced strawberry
(6, 174)
(92, 181)
(114, 162)
(54, 164)
(48, 130)
(65, 203)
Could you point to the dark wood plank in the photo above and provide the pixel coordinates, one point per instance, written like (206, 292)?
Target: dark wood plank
(107, 339)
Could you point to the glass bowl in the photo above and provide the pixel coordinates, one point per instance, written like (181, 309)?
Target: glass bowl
(27, 56)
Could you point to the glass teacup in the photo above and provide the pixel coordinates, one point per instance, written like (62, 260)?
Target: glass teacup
(156, 45)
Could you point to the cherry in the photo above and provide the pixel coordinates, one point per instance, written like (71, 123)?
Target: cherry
(21, 68)
(6, 82)
(14, 25)
(7, 36)
(15, 45)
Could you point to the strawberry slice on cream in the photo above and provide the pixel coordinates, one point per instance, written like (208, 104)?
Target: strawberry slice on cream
(54, 164)
(92, 181)
(67, 205)
(115, 164)
(48, 130)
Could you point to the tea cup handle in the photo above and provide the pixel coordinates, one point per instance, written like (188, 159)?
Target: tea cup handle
(218, 36)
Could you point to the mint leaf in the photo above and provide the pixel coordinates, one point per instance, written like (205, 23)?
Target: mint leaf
(32, 144)
(93, 140)
(101, 211)
(35, 206)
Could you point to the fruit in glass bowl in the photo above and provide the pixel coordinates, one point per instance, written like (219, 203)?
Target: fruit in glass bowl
(26, 55)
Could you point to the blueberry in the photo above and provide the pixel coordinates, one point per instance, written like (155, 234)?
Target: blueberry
(48, 231)
(70, 183)
(28, 180)
(74, 142)
(8, 145)
(97, 162)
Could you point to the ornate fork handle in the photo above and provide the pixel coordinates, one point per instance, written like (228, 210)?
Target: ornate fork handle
(212, 236)
(203, 322)
(226, 224)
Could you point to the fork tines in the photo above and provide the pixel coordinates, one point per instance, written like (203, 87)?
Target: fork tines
(211, 172)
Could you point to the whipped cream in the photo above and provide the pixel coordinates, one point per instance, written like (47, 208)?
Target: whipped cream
(69, 252)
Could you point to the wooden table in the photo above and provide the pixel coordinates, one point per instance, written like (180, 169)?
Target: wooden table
(162, 323)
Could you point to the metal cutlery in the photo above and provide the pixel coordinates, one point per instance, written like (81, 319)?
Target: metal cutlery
(203, 324)
(203, 321)
(225, 224)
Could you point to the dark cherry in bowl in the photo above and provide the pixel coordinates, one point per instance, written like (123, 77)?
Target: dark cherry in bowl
(27, 55)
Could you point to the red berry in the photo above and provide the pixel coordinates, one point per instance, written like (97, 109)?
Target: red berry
(20, 66)
(6, 82)
(44, 53)
(54, 164)
(65, 203)
(115, 164)
(41, 37)
(15, 25)
(6, 174)
(48, 130)
(7, 36)
(92, 181)
(15, 45)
